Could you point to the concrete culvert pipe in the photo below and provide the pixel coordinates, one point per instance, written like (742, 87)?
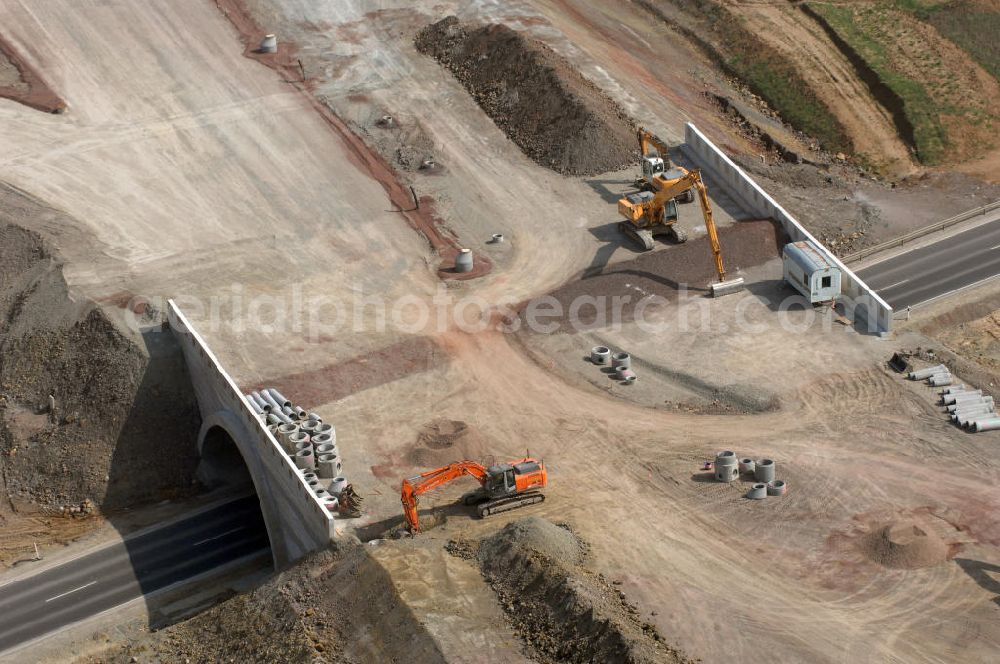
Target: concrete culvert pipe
(960, 416)
(940, 380)
(264, 405)
(299, 412)
(279, 397)
(306, 475)
(274, 406)
(305, 459)
(968, 421)
(497, 238)
(331, 504)
(290, 414)
(269, 44)
(954, 389)
(309, 426)
(463, 261)
(324, 429)
(726, 466)
(961, 396)
(969, 403)
(955, 407)
(299, 440)
(326, 466)
(254, 406)
(621, 360)
(284, 431)
(625, 374)
(338, 484)
(324, 448)
(314, 484)
(746, 465)
(777, 488)
(315, 418)
(927, 373)
(273, 419)
(764, 471)
(988, 424)
(321, 492)
(629, 379)
(323, 438)
(757, 491)
(600, 355)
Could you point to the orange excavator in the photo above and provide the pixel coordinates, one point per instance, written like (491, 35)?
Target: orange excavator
(503, 487)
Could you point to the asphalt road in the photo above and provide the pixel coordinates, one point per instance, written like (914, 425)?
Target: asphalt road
(936, 269)
(54, 598)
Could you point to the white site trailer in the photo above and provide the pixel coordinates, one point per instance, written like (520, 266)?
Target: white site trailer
(806, 269)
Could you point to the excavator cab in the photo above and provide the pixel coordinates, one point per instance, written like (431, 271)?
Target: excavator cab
(500, 481)
(651, 167)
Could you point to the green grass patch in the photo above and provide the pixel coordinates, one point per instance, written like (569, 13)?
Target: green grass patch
(929, 137)
(976, 33)
(766, 71)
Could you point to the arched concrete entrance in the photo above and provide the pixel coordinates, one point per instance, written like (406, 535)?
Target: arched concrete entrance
(297, 521)
(222, 445)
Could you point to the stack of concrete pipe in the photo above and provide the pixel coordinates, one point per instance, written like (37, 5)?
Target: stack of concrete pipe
(621, 362)
(936, 376)
(970, 409)
(310, 442)
(727, 468)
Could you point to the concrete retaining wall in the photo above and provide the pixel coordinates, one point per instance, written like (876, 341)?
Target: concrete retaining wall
(297, 522)
(861, 303)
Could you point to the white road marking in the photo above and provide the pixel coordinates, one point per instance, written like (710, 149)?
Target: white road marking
(215, 537)
(71, 591)
(995, 246)
(895, 284)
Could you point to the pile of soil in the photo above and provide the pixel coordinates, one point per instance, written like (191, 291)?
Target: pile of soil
(556, 116)
(662, 273)
(561, 610)
(125, 421)
(904, 545)
(334, 606)
(443, 441)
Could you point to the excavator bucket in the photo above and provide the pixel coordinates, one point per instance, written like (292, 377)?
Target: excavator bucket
(727, 287)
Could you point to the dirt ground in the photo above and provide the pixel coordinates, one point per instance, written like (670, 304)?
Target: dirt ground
(201, 174)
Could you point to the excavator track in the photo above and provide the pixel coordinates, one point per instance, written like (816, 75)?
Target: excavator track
(509, 503)
(641, 236)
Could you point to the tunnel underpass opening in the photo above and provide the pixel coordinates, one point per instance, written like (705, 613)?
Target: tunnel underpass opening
(226, 537)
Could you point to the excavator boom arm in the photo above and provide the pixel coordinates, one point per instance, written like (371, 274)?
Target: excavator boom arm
(432, 479)
(670, 189)
(647, 139)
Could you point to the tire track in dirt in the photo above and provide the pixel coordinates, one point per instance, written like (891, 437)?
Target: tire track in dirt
(834, 80)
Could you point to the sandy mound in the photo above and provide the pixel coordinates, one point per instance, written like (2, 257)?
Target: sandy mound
(904, 545)
(556, 116)
(444, 441)
(535, 535)
(561, 610)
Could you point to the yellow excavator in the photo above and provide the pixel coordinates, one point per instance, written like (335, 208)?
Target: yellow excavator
(655, 160)
(648, 215)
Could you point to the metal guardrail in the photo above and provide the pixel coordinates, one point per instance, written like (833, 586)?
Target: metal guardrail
(920, 232)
